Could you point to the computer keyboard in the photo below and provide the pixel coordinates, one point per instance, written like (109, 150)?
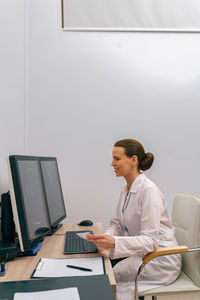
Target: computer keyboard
(75, 244)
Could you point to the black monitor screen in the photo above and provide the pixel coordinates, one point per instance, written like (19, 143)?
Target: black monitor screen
(28, 200)
(53, 189)
(34, 200)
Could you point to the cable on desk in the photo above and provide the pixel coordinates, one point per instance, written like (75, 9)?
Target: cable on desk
(59, 233)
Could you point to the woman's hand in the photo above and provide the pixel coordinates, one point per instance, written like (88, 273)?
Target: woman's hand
(102, 241)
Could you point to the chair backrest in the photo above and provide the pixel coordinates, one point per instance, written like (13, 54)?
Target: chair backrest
(186, 220)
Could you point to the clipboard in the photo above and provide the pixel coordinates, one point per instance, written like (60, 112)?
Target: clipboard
(101, 288)
(57, 267)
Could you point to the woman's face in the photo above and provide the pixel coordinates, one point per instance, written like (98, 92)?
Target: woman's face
(123, 165)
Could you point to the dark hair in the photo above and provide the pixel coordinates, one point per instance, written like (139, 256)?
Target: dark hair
(133, 147)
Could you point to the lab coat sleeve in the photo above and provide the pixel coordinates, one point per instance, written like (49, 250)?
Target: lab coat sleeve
(148, 238)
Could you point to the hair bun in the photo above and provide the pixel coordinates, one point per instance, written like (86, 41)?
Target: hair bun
(147, 161)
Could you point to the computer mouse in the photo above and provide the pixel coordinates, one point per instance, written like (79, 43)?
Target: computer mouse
(86, 223)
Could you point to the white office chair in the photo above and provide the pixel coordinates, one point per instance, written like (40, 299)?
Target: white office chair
(186, 220)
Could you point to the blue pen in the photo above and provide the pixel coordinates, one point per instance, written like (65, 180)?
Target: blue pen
(79, 268)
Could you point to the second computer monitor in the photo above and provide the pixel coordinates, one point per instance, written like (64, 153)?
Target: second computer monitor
(53, 191)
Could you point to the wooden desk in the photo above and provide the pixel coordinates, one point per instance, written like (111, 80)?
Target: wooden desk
(21, 268)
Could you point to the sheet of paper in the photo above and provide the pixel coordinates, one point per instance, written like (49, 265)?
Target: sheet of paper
(57, 267)
(83, 235)
(61, 294)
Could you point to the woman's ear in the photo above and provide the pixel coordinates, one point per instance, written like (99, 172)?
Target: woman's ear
(134, 159)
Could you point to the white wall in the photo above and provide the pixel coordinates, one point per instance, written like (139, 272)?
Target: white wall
(88, 89)
(12, 83)
(84, 91)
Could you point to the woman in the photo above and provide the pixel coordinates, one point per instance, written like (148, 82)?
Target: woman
(140, 226)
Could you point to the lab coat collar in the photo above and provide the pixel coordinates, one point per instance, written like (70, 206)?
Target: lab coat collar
(136, 183)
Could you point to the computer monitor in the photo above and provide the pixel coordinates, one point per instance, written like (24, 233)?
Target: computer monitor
(28, 200)
(53, 191)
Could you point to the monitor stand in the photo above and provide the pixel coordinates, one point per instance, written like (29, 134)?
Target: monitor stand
(33, 251)
(54, 229)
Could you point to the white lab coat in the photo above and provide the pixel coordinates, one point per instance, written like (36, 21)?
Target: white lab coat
(146, 222)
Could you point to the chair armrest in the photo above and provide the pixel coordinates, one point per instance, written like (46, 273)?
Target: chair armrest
(164, 251)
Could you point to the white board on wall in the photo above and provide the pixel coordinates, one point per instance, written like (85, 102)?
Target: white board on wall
(164, 15)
